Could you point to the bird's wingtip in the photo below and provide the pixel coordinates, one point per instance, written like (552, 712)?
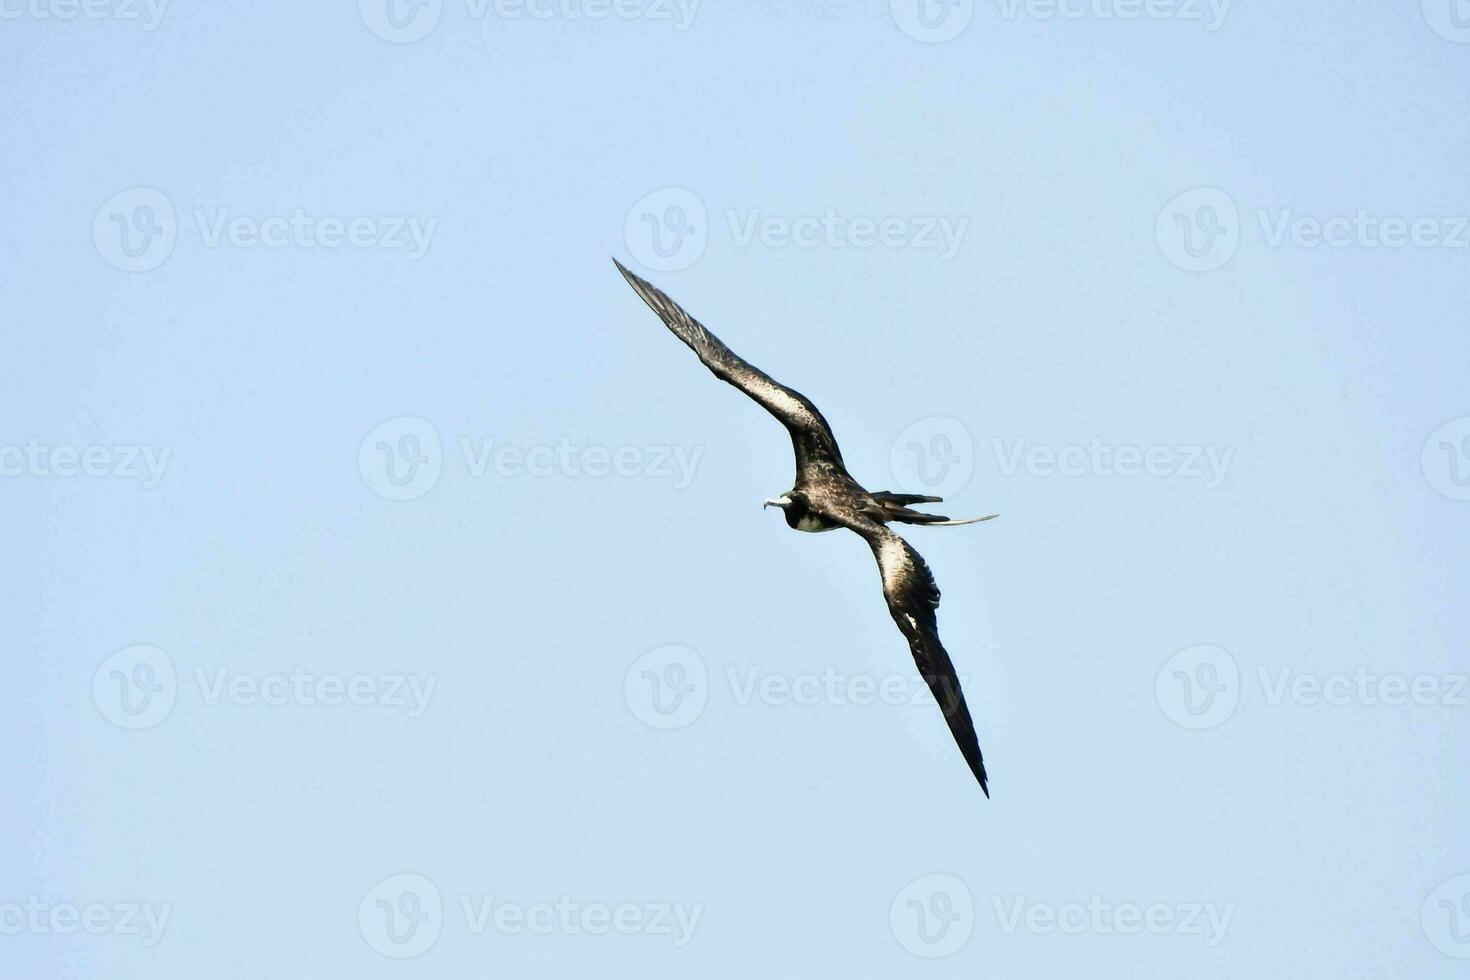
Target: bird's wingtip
(656, 300)
(628, 273)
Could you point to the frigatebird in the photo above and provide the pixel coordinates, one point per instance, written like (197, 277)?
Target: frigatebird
(826, 497)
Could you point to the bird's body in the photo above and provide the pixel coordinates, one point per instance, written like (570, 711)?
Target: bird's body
(826, 497)
(804, 517)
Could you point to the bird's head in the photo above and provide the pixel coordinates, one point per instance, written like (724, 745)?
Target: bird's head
(793, 507)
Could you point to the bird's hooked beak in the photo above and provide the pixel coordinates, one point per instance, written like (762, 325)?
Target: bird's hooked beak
(781, 501)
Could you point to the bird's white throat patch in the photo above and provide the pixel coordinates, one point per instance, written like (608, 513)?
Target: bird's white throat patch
(813, 523)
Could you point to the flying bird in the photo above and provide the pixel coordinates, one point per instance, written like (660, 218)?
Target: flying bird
(826, 497)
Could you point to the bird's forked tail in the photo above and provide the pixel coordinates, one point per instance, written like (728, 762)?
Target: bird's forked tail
(895, 508)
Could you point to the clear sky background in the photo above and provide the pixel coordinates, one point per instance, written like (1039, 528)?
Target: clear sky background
(444, 635)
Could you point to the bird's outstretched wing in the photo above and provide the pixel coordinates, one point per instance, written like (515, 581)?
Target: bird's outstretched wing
(913, 596)
(810, 434)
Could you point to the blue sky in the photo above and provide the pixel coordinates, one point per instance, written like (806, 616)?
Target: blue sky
(392, 594)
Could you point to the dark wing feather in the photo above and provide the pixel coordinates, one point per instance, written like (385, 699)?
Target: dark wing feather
(913, 596)
(811, 436)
